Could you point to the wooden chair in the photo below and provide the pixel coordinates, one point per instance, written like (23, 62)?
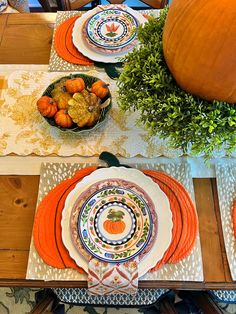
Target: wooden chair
(74, 5)
(47, 301)
(67, 5)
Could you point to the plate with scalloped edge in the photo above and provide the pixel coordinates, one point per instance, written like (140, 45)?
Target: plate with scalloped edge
(162, 207)
(82, 45)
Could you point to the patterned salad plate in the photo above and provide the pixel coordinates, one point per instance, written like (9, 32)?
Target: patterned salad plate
(112, 28)
(96, 224)
(115, 224)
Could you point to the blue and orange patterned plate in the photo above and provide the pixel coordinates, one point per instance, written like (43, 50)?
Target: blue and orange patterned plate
(112, 28)
(115, 224)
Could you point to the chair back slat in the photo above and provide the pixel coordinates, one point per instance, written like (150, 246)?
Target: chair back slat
(78, 4)
(156, 4)
(116, 1)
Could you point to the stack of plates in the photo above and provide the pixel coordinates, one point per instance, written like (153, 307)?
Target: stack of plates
(106, 33)
(115, 214)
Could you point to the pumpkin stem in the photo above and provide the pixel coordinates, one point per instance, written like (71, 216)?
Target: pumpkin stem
(115, 215)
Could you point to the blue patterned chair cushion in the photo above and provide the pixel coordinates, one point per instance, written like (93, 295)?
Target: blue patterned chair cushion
(225, 296)
(80, 296)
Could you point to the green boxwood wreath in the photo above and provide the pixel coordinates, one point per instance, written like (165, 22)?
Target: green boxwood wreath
(190, 123)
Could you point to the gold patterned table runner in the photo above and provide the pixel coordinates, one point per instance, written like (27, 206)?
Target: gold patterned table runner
(24, 131)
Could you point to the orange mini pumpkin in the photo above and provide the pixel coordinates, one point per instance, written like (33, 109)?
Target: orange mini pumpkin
(63, 119)
(47, 106)
(75, 85)
(100, 89)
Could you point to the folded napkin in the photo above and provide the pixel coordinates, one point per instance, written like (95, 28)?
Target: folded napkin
(109, 278)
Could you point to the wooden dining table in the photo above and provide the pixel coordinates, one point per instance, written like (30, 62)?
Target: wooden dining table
(27, 39)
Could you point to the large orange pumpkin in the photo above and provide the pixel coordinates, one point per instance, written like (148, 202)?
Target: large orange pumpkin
(199, 44)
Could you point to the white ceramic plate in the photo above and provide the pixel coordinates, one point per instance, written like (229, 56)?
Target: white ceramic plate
(160, 200)
(80, 43)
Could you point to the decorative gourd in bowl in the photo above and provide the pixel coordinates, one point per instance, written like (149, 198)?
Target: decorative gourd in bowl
(199, 44)
(77, 103)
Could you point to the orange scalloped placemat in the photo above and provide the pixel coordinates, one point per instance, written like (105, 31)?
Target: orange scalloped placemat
(64, 46)
(47, 226)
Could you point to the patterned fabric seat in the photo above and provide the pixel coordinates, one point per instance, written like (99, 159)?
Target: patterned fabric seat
(80, 296)
(14, 6)
(225, 296)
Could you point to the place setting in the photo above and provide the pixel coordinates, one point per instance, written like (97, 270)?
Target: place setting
(99, 38)
(115, 225)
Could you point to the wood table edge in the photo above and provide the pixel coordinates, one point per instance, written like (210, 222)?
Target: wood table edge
(148, 284)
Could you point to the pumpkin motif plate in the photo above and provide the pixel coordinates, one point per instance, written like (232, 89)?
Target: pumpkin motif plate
(112, 28)
(115, 224)
(138, 182)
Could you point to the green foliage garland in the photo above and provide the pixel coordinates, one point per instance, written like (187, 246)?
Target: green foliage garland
(189, 122)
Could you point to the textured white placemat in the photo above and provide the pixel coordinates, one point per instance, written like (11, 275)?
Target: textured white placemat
(226, 186)
(189, 269)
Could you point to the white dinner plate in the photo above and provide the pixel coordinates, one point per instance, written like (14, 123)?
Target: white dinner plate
(159, 198)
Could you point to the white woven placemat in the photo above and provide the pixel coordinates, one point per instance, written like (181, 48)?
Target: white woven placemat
(189, 269)
(226, 186)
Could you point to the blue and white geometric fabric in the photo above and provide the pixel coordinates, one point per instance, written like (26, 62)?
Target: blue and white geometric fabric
(225, 296)
(81, 296)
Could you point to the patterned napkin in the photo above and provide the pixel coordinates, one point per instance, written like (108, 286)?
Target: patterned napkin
(226, 186)
(107, 278)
